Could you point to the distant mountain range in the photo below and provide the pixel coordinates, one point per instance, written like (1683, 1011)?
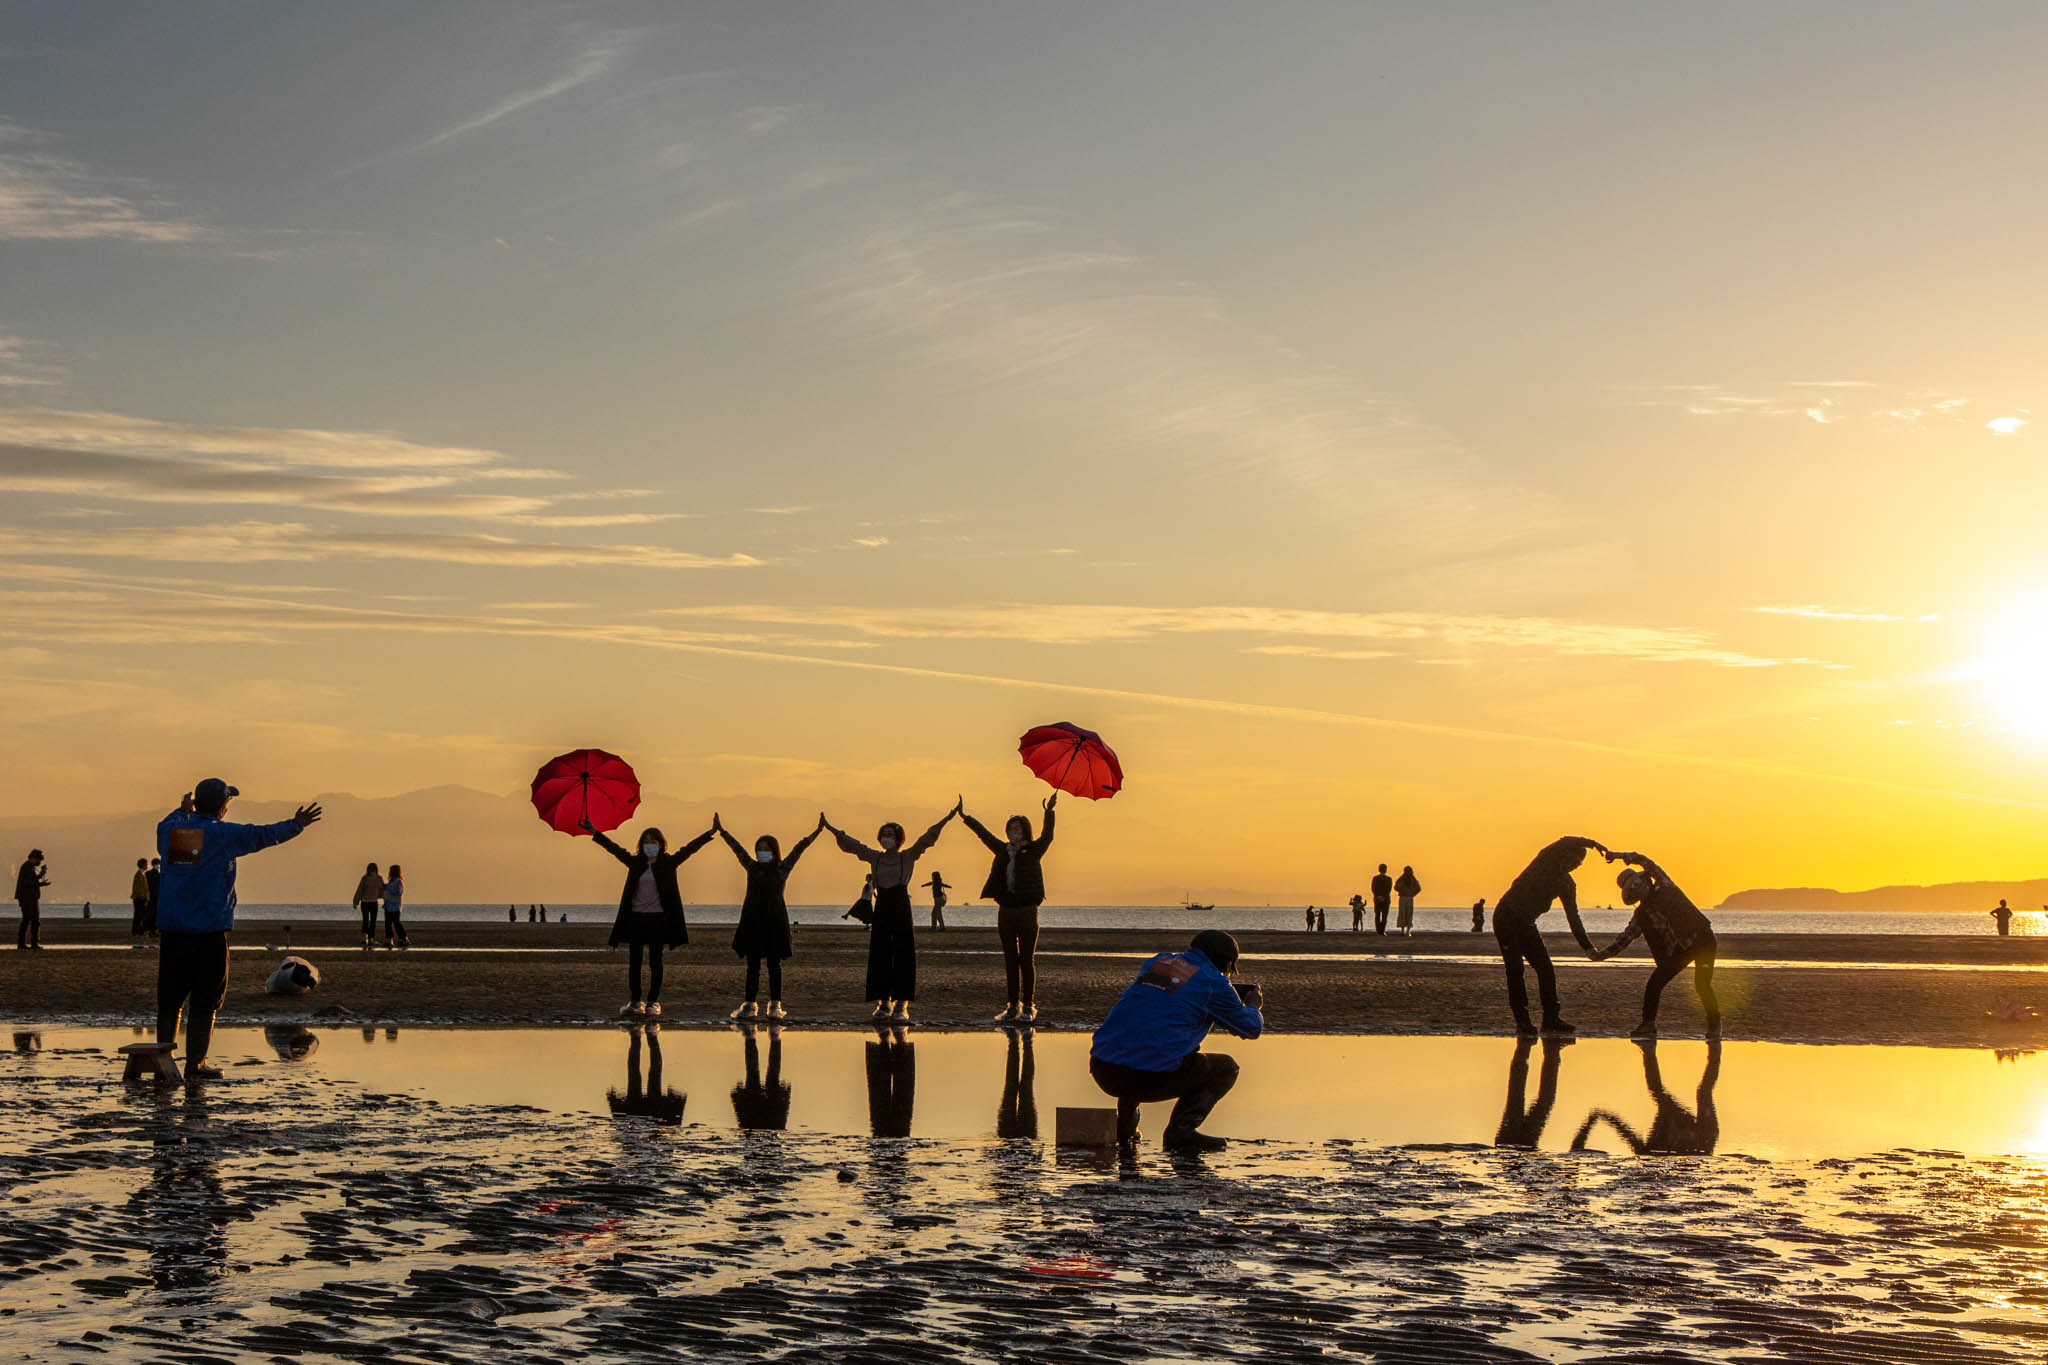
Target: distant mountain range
(2027, 895)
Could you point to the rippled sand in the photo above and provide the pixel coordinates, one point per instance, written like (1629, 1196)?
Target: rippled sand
(283, 1215)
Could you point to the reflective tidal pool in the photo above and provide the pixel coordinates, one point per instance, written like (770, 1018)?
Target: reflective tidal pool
(1759, 1099)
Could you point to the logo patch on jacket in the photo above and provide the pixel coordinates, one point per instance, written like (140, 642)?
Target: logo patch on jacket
(1169, 974)
(186, 844)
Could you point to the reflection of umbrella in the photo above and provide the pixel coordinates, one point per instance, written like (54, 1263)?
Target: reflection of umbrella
(1072, 759)
(588, 784)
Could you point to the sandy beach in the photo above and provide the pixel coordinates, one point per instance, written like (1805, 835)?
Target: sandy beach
(1894, 989)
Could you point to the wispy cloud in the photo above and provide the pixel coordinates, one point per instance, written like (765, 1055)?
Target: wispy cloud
(19, 365)
(1825, 402)
(112, 431)
(1086, 624)
(259, 541)
(596, 59)
(1820, 613)
(48, 197)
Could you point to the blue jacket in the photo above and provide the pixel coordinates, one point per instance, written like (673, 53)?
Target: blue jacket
(197, 894)
(1166, 1013)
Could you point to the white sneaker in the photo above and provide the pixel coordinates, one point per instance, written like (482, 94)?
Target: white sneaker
(902, 1014)
(1027, 1014)
(633, 1010)
(653, 1008)
(775, 1010)
(1008, 1016)
(746, 1011)
(881, 1010)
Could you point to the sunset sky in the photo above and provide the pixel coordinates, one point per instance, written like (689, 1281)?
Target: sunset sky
(1407, 432)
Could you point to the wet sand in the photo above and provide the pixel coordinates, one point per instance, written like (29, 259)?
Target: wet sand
(281, 1215)
(1378, 986)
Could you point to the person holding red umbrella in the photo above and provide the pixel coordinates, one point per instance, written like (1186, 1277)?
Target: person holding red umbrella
(892, 940)
(1016, 883)
(650, 914)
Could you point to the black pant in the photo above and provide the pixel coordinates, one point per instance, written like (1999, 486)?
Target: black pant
(653, 952)
(774, 977)
(394, 927)
(31, 933)
(1702, 960)
(892, 947)
(892, 1086)
(1017, 929)
(141, 904)
(1018, 1116)
(369, 909)
(1521, 941)
(1201, 1079)
(1379, 918)
(190, 968)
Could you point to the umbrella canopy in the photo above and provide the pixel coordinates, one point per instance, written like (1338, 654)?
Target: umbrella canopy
(588, 784)
(1072, 759)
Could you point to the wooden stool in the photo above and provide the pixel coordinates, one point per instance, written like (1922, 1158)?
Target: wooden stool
(147, 1060)
(1084, 1127)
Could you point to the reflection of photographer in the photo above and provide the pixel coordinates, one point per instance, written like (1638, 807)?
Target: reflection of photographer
(1149, 1047)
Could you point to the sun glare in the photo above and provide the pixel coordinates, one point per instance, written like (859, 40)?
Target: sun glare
(2013, 669)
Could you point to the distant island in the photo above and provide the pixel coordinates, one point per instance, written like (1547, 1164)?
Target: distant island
(2028, 895)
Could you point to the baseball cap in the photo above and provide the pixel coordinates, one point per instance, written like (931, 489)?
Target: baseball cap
(213, 793)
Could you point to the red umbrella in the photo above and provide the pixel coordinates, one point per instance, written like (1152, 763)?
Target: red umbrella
(1072, 759)
(588, 784)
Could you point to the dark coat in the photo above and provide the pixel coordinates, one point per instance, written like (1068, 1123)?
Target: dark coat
(675, 931)
(1027, 889)
(28, 884)
(763, 930)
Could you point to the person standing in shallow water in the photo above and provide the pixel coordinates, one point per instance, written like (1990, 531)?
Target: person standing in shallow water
(1016, 883)
(1407, 888)
(892, 938)
(1382, 899)
(763, 931)
(29, 883)
(650, 916)
(1547, 878)
(1677, 933)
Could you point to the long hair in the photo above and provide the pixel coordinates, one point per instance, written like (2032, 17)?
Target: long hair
(651, 833)
(1023, 820)
(771, 843)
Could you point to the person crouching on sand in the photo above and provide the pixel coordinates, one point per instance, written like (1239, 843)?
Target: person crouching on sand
(1547, 878)
(892, 939)
(1149, 1047)
(1677, 933)
(650, 914)
(763, 931)
(1016, 883)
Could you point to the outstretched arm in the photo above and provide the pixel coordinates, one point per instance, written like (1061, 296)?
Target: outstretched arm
(683, 854)
(849, 844)
(1628, 935)
(599, 838)
(1568, 897)
(981, 832)
(1044, 839)
(931, 836)
(738, 850)
(789, 859)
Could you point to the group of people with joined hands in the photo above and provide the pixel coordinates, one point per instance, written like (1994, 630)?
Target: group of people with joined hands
(651, 919)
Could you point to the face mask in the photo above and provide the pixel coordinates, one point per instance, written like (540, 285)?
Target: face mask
(762, 855)
(888, 843)
(652, 850)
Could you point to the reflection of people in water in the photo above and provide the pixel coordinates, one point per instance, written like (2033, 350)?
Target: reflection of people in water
(756, 1103)
(649, 1101)
(1675, 1131)
(892, 1083)
(1521, 1124)
(1018, 1117)
(184, 1207)
(1677, 934)
(29, 1041)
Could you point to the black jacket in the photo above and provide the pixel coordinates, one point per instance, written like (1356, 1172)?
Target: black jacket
(675, 930)
(1027, 887)
(763, 930)
(28, 884)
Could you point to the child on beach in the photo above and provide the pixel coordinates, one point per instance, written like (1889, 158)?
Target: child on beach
(1016, 883)
(394, 904)
(1547, 878)
(650, 914)
(892, 941)
(763, 930)
(1677, 933)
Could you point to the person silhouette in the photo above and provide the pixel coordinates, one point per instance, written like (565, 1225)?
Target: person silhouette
(649, 1101)
(759, 1104)
(1308, 916)
(1407, 888)
(938, 886)
(891, 980)
(1677, 934)
(1547, 878)
(1357, 912)
(1479, 915)
(1521, 1124)
(892, 1083)
(1675, 1131)
(2002, 917)
(1382, 899)
(763, 933)
(30, 881)
(1017, 1118)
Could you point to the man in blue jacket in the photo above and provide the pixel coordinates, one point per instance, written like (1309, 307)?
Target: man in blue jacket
(1149, 1047)
(196, 908)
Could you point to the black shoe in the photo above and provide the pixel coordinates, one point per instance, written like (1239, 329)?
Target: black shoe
(1713, 1030)
(1558, 1028)
(202, 1073)
(1192, 1140)
(1524, 1029)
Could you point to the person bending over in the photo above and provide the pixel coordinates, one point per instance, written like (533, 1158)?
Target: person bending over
(1547, 878)
(1148, 1048)
(196, 909)
(1678, 934)
(1016, 883)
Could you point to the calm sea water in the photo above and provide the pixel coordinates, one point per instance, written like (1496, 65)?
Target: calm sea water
(1176, 917)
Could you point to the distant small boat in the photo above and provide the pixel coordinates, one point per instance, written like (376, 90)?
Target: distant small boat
(1188, 904)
